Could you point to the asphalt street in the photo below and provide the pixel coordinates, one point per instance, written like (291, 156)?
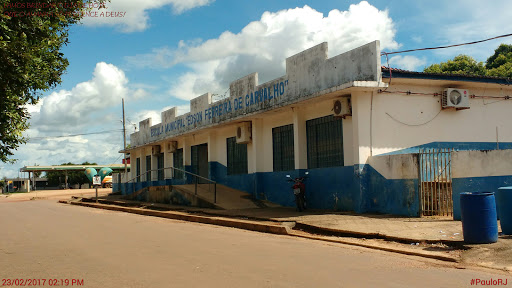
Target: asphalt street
(42, 239)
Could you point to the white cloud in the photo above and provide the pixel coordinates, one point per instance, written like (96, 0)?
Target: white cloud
(87, 107)
(132, 15)
(262, 46)
(410, 63)
(68, 110)
(417, 39)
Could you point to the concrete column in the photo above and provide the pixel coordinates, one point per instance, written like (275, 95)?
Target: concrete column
(133, 165)
(167, 161)
(187, 160)
(255, 152)
(212, 154)
(147, 151)
(300, 139)
(154, 166)
(361, 111)
(212, 147)
(143, 164)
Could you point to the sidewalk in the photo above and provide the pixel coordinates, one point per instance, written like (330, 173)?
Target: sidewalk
(438, 238)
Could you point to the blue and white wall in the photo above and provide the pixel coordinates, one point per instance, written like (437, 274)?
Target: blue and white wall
(479, 171)
(403, 123)
(378, 174)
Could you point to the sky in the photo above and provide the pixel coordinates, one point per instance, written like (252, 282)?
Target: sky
(158, 54)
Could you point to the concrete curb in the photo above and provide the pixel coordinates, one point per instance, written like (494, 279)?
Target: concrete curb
(348, 233)
(219, 221)
(252, 226)
(376, 247)
(304, 226)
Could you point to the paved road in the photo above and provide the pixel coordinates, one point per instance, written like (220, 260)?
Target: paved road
(46, 240)
(53, 194)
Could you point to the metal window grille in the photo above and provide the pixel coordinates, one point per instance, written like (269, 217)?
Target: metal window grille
(325, 142)
(148, 168)
(283, 148)
(138, 169)
(160, 164)
(237, 157)
(178, 163)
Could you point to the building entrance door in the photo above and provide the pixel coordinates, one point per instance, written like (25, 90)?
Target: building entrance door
(200, 161)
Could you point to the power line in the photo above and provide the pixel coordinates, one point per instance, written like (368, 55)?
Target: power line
(74, 135)
(443, 47)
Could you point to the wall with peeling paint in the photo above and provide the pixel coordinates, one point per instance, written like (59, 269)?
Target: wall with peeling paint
(309, 74)
(479, 171)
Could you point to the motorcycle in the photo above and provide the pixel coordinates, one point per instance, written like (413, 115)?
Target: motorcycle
(299, 190)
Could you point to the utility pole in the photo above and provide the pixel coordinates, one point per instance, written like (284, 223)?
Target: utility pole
(124, 147)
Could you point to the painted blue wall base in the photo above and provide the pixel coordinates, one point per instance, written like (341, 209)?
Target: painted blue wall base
(390, 196)
(459, 146)
(476, 184)
(358, 188)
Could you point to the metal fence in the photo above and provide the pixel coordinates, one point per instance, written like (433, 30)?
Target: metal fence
(436, 182)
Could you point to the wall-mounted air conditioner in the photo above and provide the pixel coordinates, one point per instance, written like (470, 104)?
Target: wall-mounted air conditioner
(243, 133)
(455, 98)
(155, 149)
(172, 146)
(342, 107)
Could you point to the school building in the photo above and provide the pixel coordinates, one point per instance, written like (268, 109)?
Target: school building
(374, 139)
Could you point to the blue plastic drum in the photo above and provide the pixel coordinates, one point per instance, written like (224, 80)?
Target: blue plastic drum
(479, 219)
(504, 205)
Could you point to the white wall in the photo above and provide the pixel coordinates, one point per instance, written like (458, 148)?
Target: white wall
(477, 124)
(467, 164)
(401, 166)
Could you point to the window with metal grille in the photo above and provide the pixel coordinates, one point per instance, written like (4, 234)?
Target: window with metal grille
(178, 163)
(283, 148)
(237, 157)
(138, 169)
(148, 168)
(160, 164)
(325, 142)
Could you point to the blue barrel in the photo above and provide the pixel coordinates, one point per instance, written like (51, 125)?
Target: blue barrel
(479, 219)
(504, 205)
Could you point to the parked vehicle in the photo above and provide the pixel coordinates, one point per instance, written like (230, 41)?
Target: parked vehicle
(299, 190)
(107, 182)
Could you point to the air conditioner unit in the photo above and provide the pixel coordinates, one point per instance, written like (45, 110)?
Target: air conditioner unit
(172, 146)
(155, 149)
(342, 107)
(243, 133)
(455, 98)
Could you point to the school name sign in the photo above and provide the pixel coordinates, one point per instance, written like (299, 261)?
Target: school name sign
(224, 109)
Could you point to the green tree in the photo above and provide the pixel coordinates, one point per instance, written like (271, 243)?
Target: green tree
(32, 33)
(462, 64)
(500, 63)
(56, 178)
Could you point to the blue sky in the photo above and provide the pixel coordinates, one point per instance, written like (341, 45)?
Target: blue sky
(166, 52)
